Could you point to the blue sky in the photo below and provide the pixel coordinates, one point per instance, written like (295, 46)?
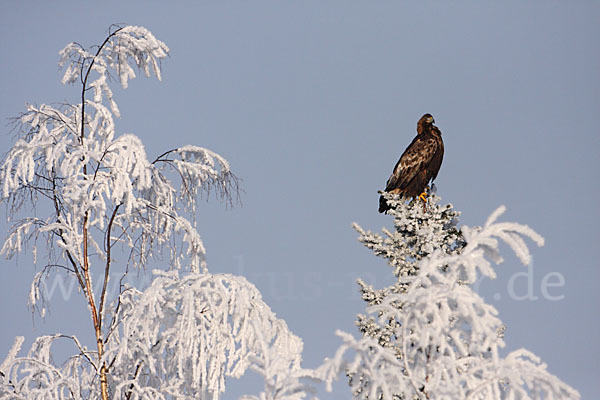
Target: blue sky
(312, 103)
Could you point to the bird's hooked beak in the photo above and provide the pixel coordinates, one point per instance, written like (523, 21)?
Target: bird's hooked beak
(430, 120)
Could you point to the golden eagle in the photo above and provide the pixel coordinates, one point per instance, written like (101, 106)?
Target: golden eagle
(418, 165)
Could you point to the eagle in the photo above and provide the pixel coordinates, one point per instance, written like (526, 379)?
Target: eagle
(418, 165)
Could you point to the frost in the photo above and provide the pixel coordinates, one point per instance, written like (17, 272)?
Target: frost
(34, 377)
(106, 202)
(186, 335)
(431, 336)
(180, 338)
(126, 48)
(91, 175)
(12, 353)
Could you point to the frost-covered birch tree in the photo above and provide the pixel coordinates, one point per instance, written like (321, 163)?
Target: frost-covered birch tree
(190, 330)
(430, 335)
(104, 195)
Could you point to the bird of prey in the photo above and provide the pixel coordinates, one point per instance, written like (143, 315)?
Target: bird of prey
(418, 165)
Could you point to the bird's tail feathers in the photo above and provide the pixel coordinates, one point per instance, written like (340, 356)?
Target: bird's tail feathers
(383, 204)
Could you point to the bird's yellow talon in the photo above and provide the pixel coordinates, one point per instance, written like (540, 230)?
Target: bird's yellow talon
(423, 196)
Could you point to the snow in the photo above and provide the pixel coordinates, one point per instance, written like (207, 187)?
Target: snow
(443, 333)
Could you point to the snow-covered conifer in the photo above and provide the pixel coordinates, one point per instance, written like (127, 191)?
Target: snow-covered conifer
(418, 231)
(431, 336)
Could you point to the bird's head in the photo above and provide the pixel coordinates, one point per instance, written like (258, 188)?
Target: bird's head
(425, 122)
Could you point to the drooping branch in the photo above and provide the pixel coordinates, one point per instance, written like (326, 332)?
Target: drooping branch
(107, 249)
(84, 82)
(194, 164)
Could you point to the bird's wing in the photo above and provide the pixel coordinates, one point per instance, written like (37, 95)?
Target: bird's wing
(436, 162)
(415, 158)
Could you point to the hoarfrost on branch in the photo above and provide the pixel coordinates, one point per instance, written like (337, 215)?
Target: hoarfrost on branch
(179, 339)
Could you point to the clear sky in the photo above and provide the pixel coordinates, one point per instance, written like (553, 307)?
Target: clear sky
(312, 103)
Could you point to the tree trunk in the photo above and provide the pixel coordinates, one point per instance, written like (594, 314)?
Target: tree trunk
(97, 319)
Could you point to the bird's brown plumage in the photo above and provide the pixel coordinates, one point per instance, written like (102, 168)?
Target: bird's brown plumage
(419, 163)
